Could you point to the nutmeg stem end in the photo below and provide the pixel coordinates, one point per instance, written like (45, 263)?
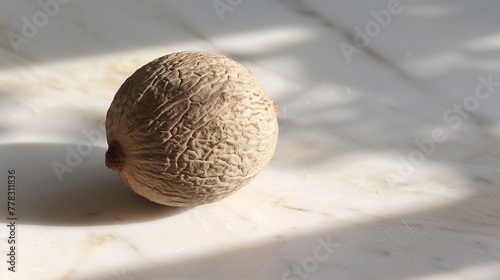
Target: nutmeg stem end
(114, 157)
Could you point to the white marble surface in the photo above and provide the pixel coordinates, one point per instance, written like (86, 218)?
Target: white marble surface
(349, 193)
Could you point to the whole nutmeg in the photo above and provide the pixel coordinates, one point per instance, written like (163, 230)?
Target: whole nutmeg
(190, 128)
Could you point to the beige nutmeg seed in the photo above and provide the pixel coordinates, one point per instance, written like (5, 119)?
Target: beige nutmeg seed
(190, 128)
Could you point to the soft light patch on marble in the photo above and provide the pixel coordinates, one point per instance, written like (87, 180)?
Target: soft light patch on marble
(361, 185)
(483, 271)
(486, 43)
(434, 11)
(266, 40)
(448, 60)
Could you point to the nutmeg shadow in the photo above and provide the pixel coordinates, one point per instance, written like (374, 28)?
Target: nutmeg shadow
(69, 185)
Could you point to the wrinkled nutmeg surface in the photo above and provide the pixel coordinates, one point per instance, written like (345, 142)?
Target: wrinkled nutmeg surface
(190, 128)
